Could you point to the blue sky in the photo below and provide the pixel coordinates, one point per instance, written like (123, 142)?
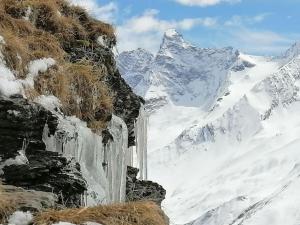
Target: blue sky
(264, 27)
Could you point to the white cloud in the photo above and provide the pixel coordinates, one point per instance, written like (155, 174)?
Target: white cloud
(102, 12)
(240, 33)
(259, 18)
(246, 20)
(189, 23)
(150, 22)
(259, 41)
(204, 3)
(261, 37)
(146, 30)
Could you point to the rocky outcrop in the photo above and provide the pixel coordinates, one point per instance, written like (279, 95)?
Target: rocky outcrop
(28, 200)
(83, 82)
(142, 190)
(22, 123)
(126, 103)
(49, 172)
(25, 161)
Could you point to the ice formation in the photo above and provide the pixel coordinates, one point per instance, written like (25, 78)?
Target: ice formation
(74, 140)
(141, 143)
(116, 153)
(103, 166)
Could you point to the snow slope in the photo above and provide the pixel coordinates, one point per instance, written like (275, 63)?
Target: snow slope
(228, 155)
(241, 167)
(177, 91)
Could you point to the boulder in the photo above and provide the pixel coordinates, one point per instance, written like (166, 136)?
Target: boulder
(142, 190)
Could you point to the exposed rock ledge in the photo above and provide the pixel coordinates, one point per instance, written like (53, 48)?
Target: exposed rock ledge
(27, 200)
(142, 190)
(24, 158)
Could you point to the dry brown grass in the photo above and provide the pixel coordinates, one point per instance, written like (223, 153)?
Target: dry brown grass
(138, 213)
(42, 44)
(88, 86)
(15, 53)
(7, 204)
(19, 51)
(13, 198)
(81, 89)
(53, 27)
(71, 22)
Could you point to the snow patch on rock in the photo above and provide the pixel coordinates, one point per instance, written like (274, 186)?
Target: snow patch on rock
(10, 85)
(20, 218)
(37, 66)
(50, 102)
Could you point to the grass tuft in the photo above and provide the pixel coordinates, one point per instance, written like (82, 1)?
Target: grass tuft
(7, 204)
(51, 29)
(137, 213)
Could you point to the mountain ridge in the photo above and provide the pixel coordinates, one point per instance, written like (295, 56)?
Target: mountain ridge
(235, 160)
(171, 76)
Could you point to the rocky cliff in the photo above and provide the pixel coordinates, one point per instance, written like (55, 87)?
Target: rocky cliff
(67, 117)
(26, 162)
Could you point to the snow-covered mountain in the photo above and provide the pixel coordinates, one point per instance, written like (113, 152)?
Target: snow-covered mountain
(237, 161)
(180, 72)
(134, 64)
(250, 151)
(292, 52)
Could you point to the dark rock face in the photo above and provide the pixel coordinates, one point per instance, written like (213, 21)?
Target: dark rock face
(155, 104)
(20, 122)
(242, 66)
(137, 190)
(49, 172)
(21, 128)
(126, 103)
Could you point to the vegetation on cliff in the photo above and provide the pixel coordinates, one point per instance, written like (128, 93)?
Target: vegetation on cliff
(53, 51)
(34, 29)
(136, 213)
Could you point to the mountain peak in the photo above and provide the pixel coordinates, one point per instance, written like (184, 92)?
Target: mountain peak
(293, 51)
(172, 40)
(171, 33)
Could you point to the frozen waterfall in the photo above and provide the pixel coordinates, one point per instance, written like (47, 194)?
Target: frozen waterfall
(104, 167)
(116, 154)
(141, 143)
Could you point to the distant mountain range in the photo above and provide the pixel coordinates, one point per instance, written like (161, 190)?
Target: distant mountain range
(224, 131)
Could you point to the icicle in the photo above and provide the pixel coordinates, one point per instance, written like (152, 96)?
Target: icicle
(103, 167)
(141, 143)
(74, 140)
(117, 155)
(130, 156)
